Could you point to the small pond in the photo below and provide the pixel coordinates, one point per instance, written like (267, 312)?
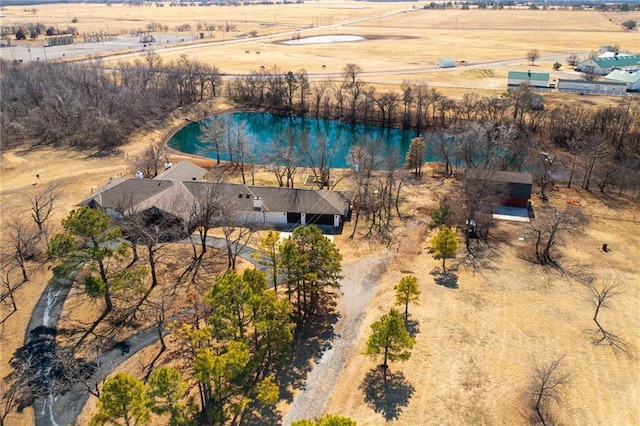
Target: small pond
(259, 132)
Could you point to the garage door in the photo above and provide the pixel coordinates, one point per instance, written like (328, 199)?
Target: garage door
(320, 219)
(294, 217)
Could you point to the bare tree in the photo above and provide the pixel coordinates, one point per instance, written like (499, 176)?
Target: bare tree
(443, 147)
(41, 204)
(601, 293)
(212, 131)
(237, 237)
(7, 295)
(15, 389)
(284, 157)
(206, 211)
(151, 160)
(319, 157)
(594, 148)
(533, 55)
(19, 241)
(573, 60)
(319, 92)
(544, 166)
(363, 160)
(474, 205)
(590, 76)
(354, 87)
(408, 100)
(545, 388)
(548, 227)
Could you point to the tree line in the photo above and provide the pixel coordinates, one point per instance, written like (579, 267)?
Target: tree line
(91, 106)
(94, 106)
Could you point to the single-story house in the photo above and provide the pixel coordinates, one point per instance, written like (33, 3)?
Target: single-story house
(605, 64)
(533, 79)
(517, 186)
(446, 63)
(245, 204)
(630, 77)
(592, 87)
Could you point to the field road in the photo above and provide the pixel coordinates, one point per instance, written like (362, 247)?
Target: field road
(125, 48)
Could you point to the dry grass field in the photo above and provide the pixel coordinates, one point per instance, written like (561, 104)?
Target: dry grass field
(477, 343)
(402, 40)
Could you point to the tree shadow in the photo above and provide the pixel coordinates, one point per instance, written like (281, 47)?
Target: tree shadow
(311, 340)
(447, 280)
(617, 344)
(259, 415)
(389, 396)
(412, 326)
(41, 369)
(480, 256)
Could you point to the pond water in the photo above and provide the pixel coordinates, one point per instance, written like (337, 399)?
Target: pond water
(261, 131)
(325, 39)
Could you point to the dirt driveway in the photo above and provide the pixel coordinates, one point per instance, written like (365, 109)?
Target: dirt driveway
(358, 287)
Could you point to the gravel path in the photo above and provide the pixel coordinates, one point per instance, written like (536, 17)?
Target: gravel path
(358, 287)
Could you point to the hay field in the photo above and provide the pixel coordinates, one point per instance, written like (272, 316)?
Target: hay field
(403, 41)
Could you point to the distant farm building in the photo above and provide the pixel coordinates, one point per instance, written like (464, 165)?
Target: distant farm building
(517, 186)
(630, 77)
(605, 64)
(592, 87)
(446, 63)
(58, 40)
(533, 79)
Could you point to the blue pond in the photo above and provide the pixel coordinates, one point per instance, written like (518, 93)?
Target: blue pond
(260, 130)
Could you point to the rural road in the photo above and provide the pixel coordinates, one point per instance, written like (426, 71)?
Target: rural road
(63, 409)
(123, 51)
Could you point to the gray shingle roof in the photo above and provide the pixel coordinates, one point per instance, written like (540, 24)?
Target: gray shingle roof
(136, 195)
(182, 172)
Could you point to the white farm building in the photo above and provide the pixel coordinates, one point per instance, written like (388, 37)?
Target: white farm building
(592, 87)
(446, 63)
(630, 77)
(605, 64)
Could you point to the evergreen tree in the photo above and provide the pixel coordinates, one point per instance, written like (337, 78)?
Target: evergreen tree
(167, 390)
(267, 256)
(311, 264)
(444, 245)
(407, 291)
(124, 400)
(92, 244)
(389, 339)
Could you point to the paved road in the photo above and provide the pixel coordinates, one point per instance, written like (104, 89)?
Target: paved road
(63, 409)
